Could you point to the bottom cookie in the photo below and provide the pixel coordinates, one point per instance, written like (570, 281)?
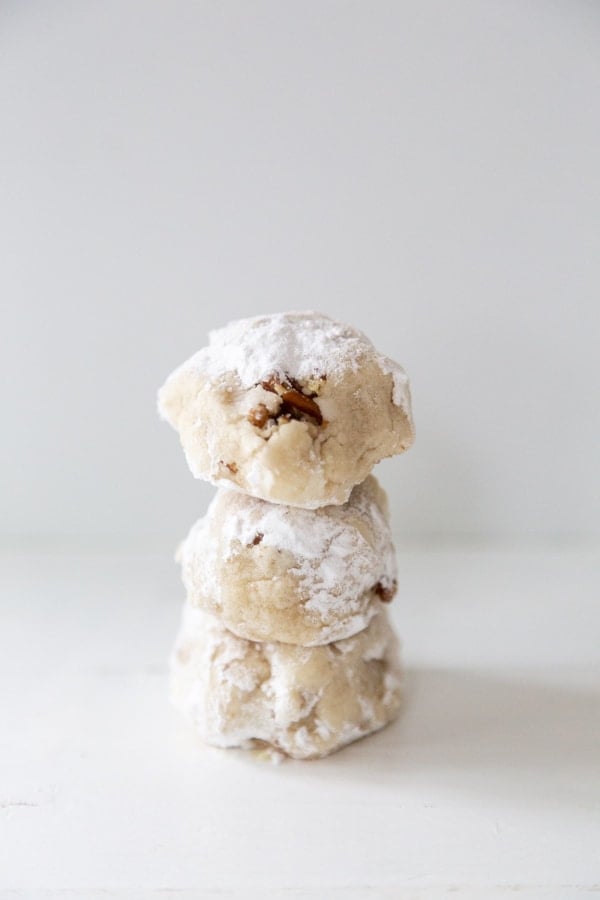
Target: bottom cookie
(304, 702)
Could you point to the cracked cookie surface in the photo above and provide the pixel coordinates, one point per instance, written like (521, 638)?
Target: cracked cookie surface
(304, 702)
(293, 408)
(282, 573)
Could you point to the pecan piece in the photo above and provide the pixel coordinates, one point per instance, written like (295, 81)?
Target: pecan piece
(385, 594)
(294, 402)
(257, 538)
(272, 385)
(259, 416)
(300, 403)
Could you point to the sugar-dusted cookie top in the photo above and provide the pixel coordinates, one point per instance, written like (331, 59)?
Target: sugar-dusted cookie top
(293, 408)
(304, 346)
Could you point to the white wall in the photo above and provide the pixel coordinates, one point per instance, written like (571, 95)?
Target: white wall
(428, 171)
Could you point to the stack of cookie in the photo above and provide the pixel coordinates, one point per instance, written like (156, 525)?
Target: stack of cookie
(285, 641)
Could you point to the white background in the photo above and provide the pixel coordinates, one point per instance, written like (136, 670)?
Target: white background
(427, 171)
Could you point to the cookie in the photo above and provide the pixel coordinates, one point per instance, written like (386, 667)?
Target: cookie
(293, 408)
(281, 573)
(303, 702)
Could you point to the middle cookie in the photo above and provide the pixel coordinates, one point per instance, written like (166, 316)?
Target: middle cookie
(281, 573)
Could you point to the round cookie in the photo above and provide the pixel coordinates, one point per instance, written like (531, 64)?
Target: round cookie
(281, 573)
(303, 702)
(294, 408)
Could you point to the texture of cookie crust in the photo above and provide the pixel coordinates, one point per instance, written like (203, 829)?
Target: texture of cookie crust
(303, 702)
(293, 408)
(282, 573)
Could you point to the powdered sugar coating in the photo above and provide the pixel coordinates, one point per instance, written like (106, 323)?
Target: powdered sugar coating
(303, 345)
(303, 702)
(290, 574)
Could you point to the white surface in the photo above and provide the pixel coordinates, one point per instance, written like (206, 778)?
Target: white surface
(427, 171)
(488, 786)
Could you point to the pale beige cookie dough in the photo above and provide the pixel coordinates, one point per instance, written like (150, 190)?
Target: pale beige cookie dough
(303, 702)
(281, 573)
(294, 408)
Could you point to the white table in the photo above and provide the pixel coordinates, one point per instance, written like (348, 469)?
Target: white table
(488, 785)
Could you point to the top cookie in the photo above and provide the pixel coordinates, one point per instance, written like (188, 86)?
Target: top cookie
(293, 408)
